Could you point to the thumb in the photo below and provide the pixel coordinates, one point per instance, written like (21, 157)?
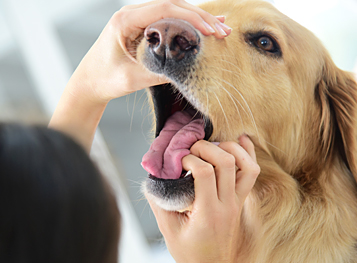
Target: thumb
(169, 222)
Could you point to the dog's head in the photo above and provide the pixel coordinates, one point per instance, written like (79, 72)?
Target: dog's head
(271, 79)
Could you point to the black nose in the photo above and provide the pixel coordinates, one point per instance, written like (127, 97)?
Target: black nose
(171, 39)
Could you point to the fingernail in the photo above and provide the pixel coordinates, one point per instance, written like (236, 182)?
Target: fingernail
(225, 27)
(221, 17)
(216, 143)
(210, 29)
(220, 30)
(242, 136)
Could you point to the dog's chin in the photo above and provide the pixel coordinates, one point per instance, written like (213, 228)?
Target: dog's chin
(170, 194)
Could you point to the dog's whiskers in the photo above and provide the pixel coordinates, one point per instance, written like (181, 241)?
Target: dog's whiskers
(221, 59)
(132, 113)
(235, 104)
(235, 89)
(193, 117)
(146, 204)
(223, 69)
(250, 111)
(179, 96)
(135, 182)
(148, 114)
(275, 147)
(224, 113)
(207, 108)
(233, 97)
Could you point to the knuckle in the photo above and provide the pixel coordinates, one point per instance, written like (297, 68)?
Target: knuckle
(228, 160)
(205, 15)
(255, 169)
(232, 144)
(123, 9)
(205, 170)
(118, 16)
(176, 2)
(229, 146)
(167, 5)
(198, 145)
(120, 13)
(201, 143)
(195, 17)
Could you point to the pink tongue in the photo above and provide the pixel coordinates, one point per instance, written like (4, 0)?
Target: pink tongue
(163, 160)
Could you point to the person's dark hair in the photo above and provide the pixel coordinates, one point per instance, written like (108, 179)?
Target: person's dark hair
(55, 207)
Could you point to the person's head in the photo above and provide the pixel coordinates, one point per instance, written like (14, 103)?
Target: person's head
(54, 204)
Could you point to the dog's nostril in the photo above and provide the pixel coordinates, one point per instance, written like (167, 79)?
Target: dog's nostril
(183, 43)
(170, 40)
(153, 38)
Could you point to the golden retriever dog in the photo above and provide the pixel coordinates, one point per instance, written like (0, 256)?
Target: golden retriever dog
(273, 80)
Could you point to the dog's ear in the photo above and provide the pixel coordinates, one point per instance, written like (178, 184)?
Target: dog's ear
(337, 95)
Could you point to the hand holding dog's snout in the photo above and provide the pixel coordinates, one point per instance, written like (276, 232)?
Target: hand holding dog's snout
(135, 18)
(110, 69)
(224, 175)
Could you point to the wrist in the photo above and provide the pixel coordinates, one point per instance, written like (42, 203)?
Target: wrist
(104, 73)
(88, 88)
(78, 112)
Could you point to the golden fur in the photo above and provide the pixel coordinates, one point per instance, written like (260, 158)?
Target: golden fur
(300, 111)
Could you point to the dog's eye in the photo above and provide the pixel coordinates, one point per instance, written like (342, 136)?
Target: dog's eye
(266, 44)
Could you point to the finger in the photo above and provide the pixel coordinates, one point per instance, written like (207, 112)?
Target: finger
(166, 9)
(224, 167)
(248, 169)
(221, 30)
(205, 181)
(248, 145)
(246, 180)
(221, 19)
(169, 222)
(134, 19)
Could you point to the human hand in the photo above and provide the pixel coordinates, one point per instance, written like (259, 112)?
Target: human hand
(110, 70)
(211, 232)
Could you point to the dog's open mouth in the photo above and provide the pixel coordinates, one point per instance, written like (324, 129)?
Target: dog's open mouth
(178, 126)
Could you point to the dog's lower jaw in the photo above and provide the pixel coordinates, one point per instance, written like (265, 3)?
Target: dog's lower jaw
(171, 204)
(170, 195)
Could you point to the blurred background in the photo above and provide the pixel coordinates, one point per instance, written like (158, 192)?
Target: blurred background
(42, 42)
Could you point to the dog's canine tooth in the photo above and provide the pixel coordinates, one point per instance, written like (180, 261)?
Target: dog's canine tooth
(188, 173)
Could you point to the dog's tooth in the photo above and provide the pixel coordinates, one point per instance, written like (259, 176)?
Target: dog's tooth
(188, 173)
